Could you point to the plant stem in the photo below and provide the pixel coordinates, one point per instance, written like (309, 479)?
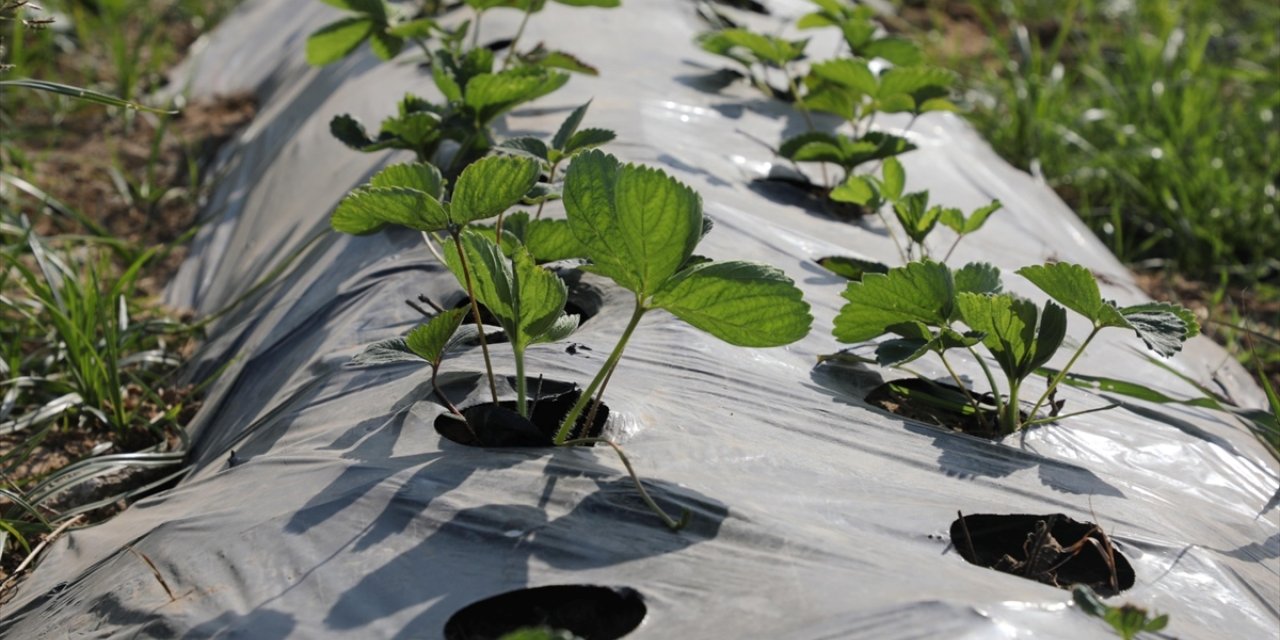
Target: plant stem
(551, 179)
(673, 524)
(443, 398)
(511, 49)
(522, 403)
(475, 310)
(977, 408)
(571, 419)
(475, 31)
(595, 406)
(991, 379)
(1010, 419)
(808, 118)
(1062, 373)
(1031, 423)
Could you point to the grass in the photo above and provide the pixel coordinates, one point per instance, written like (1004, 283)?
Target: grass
(95, 205)
(1157, 121)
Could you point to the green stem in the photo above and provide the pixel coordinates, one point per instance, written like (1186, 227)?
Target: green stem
(1031, 423)
(571, 419)
(1062, 373)
(977, 407)
(475, 31)
(511, 50)
(521, 388)
(991, 379)
(672, 523)
(1010, 419)
(808, 118)
(551, 179)
(475, 310)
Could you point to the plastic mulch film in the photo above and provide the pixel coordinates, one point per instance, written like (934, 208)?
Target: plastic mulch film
(323, 503)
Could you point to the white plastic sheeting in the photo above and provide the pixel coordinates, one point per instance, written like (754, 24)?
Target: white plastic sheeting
(323, 503)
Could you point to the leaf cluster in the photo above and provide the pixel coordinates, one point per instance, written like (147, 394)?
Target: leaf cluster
(928, 308)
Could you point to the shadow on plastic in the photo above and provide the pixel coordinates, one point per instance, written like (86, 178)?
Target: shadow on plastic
(585, 611)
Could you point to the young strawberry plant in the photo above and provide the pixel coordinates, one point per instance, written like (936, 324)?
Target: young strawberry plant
(878, 75)
(925, 307)
(640, 227)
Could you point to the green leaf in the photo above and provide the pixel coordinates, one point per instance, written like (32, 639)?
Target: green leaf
(1184, 314)
(385, 45)
(587, 139)
(553, 59)
(918, 292)
(1074, 287)
(551, 240)
(638, 224)
(909, 80)
(569, 126)
(350, 132)
(335, 40)
(383, 352)
(765, 49)
(1019, 342)
(901, 52)
(430, 340)
(953, 219)
(977, 277)
(851, 268)
(418, 29)
(490, 186)
(374, 9)
(859, 190)
(980, 215)
(561, 328)
(811, 146)
(417, 129)
(527, 300)
(492, 94)
(446, 83)
(605, 4)
(1162, 327)
(895, 178)
(850, 73)
(526, 145)
(411, 175)
(368, 209)
(743, 303)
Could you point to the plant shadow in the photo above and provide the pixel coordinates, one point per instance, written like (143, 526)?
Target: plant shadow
(961, 455)
(485, 550)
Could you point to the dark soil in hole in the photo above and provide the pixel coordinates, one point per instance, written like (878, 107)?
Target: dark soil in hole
(788, 188)
(1052, 549)
(490, 425)
(930, 401)
(587, 611)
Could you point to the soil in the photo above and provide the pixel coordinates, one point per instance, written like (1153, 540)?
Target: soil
(138, 177)
(98, 165)
(889, 397)
(1053, 549)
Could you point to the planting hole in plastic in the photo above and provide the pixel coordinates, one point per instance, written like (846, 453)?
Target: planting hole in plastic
(927, 401)
(1053, 549)
(490, 425)
(586, 611)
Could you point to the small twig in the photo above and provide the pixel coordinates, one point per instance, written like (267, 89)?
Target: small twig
(154, 571)
(673, 524)
(36, 551)
(417, 308)
(968, 539)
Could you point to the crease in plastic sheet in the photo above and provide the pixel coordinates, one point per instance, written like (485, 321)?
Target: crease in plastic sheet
(322, 503)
